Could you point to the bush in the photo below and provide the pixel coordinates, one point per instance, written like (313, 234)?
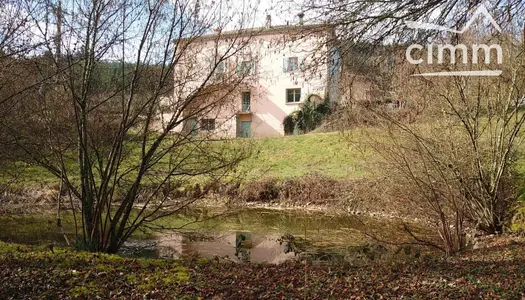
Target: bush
(310, 116)
(311, 188)
(264, 190)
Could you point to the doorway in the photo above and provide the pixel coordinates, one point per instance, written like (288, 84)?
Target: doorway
(246, 129)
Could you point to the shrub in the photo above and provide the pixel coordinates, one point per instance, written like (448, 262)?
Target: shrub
(310, 116)
(264, 190)
(311, 188)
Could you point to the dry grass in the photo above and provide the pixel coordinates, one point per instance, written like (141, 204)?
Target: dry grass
(309, 189)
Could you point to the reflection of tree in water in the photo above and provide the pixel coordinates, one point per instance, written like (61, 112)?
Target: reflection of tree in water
(243, 244)
(291, 244)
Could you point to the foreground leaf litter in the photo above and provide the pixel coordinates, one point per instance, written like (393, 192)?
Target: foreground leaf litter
(39, 272)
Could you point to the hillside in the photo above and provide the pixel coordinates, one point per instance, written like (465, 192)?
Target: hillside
(293, 156)
(326, 154)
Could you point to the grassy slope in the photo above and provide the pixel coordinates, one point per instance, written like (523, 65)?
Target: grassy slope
(327, 153)
(281, 157)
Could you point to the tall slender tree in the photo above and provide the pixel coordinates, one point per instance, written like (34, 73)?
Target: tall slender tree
(100, 135)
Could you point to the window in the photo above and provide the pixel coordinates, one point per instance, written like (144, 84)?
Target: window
(293, 95)
(246, 67)
(246, 101)
(191, 126)
(291, 64)
(220, 70)
(208, 124)
(221, 67)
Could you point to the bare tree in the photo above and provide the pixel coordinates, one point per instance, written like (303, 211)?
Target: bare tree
(457, 164)
(385, 21)
(89, 113)
(454, 160)
(368, 35)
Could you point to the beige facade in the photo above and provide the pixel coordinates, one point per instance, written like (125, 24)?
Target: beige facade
(280, 67)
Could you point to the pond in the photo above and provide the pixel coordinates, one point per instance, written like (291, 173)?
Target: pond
(257, 235)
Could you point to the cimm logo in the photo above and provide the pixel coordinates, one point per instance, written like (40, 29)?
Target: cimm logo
(435, 53)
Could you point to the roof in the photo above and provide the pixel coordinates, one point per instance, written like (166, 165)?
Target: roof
(259, 31)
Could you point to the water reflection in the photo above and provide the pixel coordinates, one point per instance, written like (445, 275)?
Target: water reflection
(256, 235)
(233, 246)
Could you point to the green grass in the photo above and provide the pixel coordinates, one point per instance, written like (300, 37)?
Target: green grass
(26, 175)
(293, 156)
(85, 275)
(327, 154)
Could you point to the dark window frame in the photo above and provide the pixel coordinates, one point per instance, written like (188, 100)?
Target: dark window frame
(294, 95)
(246, 107)
(208, 124)
(246, 68)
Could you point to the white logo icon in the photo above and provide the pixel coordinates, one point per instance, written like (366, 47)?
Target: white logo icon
(440, 49)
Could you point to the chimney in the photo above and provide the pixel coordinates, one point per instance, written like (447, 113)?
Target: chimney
(301, 16)
(268, 21)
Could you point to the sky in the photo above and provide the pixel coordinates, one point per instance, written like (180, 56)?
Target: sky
(282, 12)
(42, 26)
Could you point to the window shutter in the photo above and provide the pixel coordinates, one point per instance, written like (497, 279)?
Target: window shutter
(285, 64)
(301, 63)
(239, 63)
